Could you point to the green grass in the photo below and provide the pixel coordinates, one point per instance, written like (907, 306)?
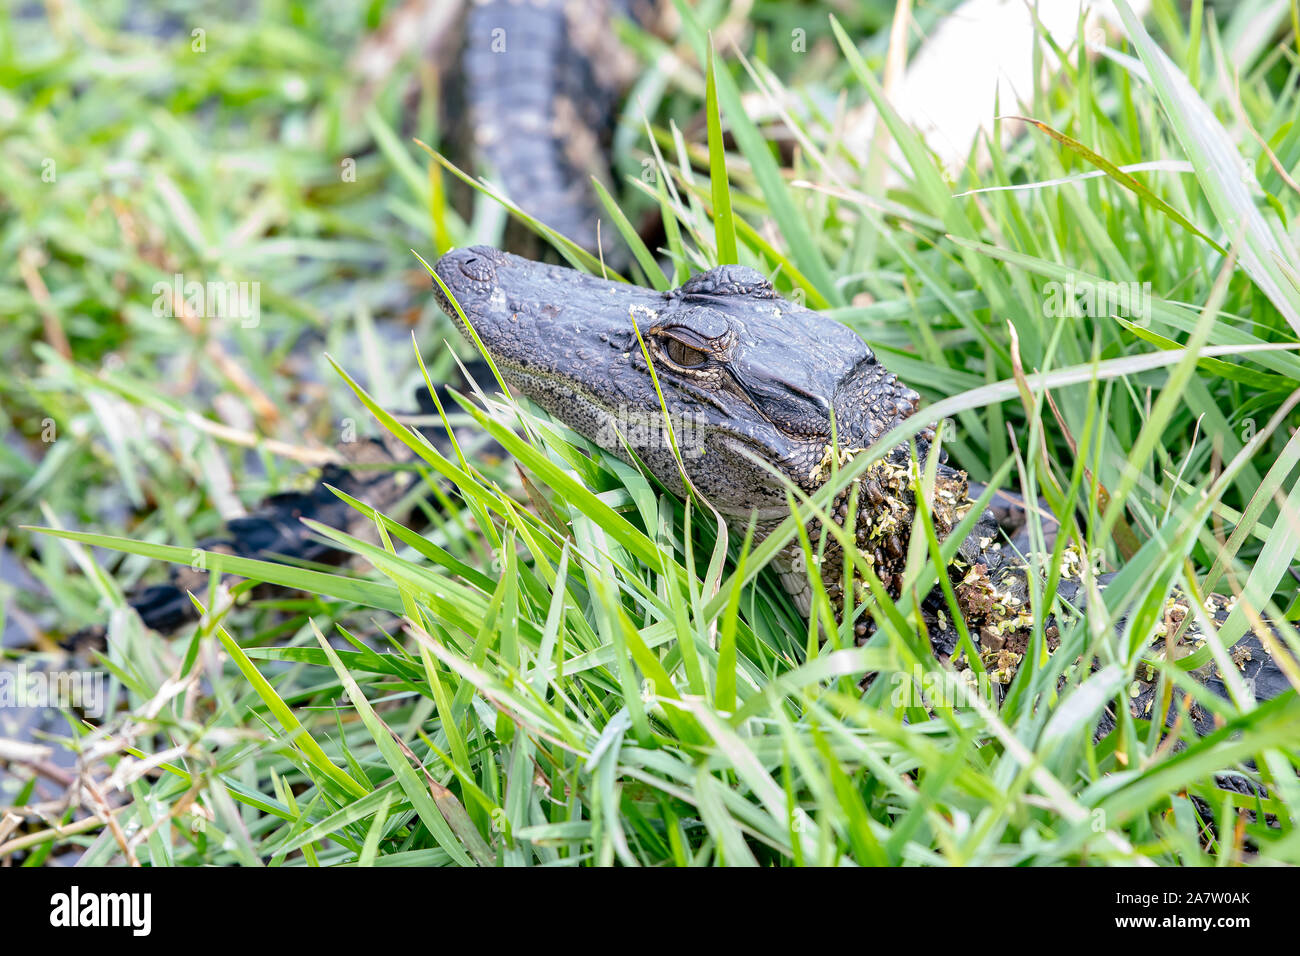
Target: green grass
(583, 669)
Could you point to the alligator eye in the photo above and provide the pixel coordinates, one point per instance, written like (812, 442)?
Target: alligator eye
(682, 355)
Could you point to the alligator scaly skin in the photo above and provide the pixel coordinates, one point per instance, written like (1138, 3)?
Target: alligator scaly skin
(542, 80)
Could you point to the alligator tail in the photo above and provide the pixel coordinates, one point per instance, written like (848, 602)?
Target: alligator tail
(541, 83)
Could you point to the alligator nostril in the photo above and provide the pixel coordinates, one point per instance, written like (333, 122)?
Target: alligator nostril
(477, 268)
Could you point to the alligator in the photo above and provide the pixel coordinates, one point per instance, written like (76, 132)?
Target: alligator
(763, 394)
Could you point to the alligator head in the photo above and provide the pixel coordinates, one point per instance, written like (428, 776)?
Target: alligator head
(747, 378)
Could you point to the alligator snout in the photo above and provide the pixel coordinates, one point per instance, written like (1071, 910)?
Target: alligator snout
(470, 275)
(477, 264)
(477, 268)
